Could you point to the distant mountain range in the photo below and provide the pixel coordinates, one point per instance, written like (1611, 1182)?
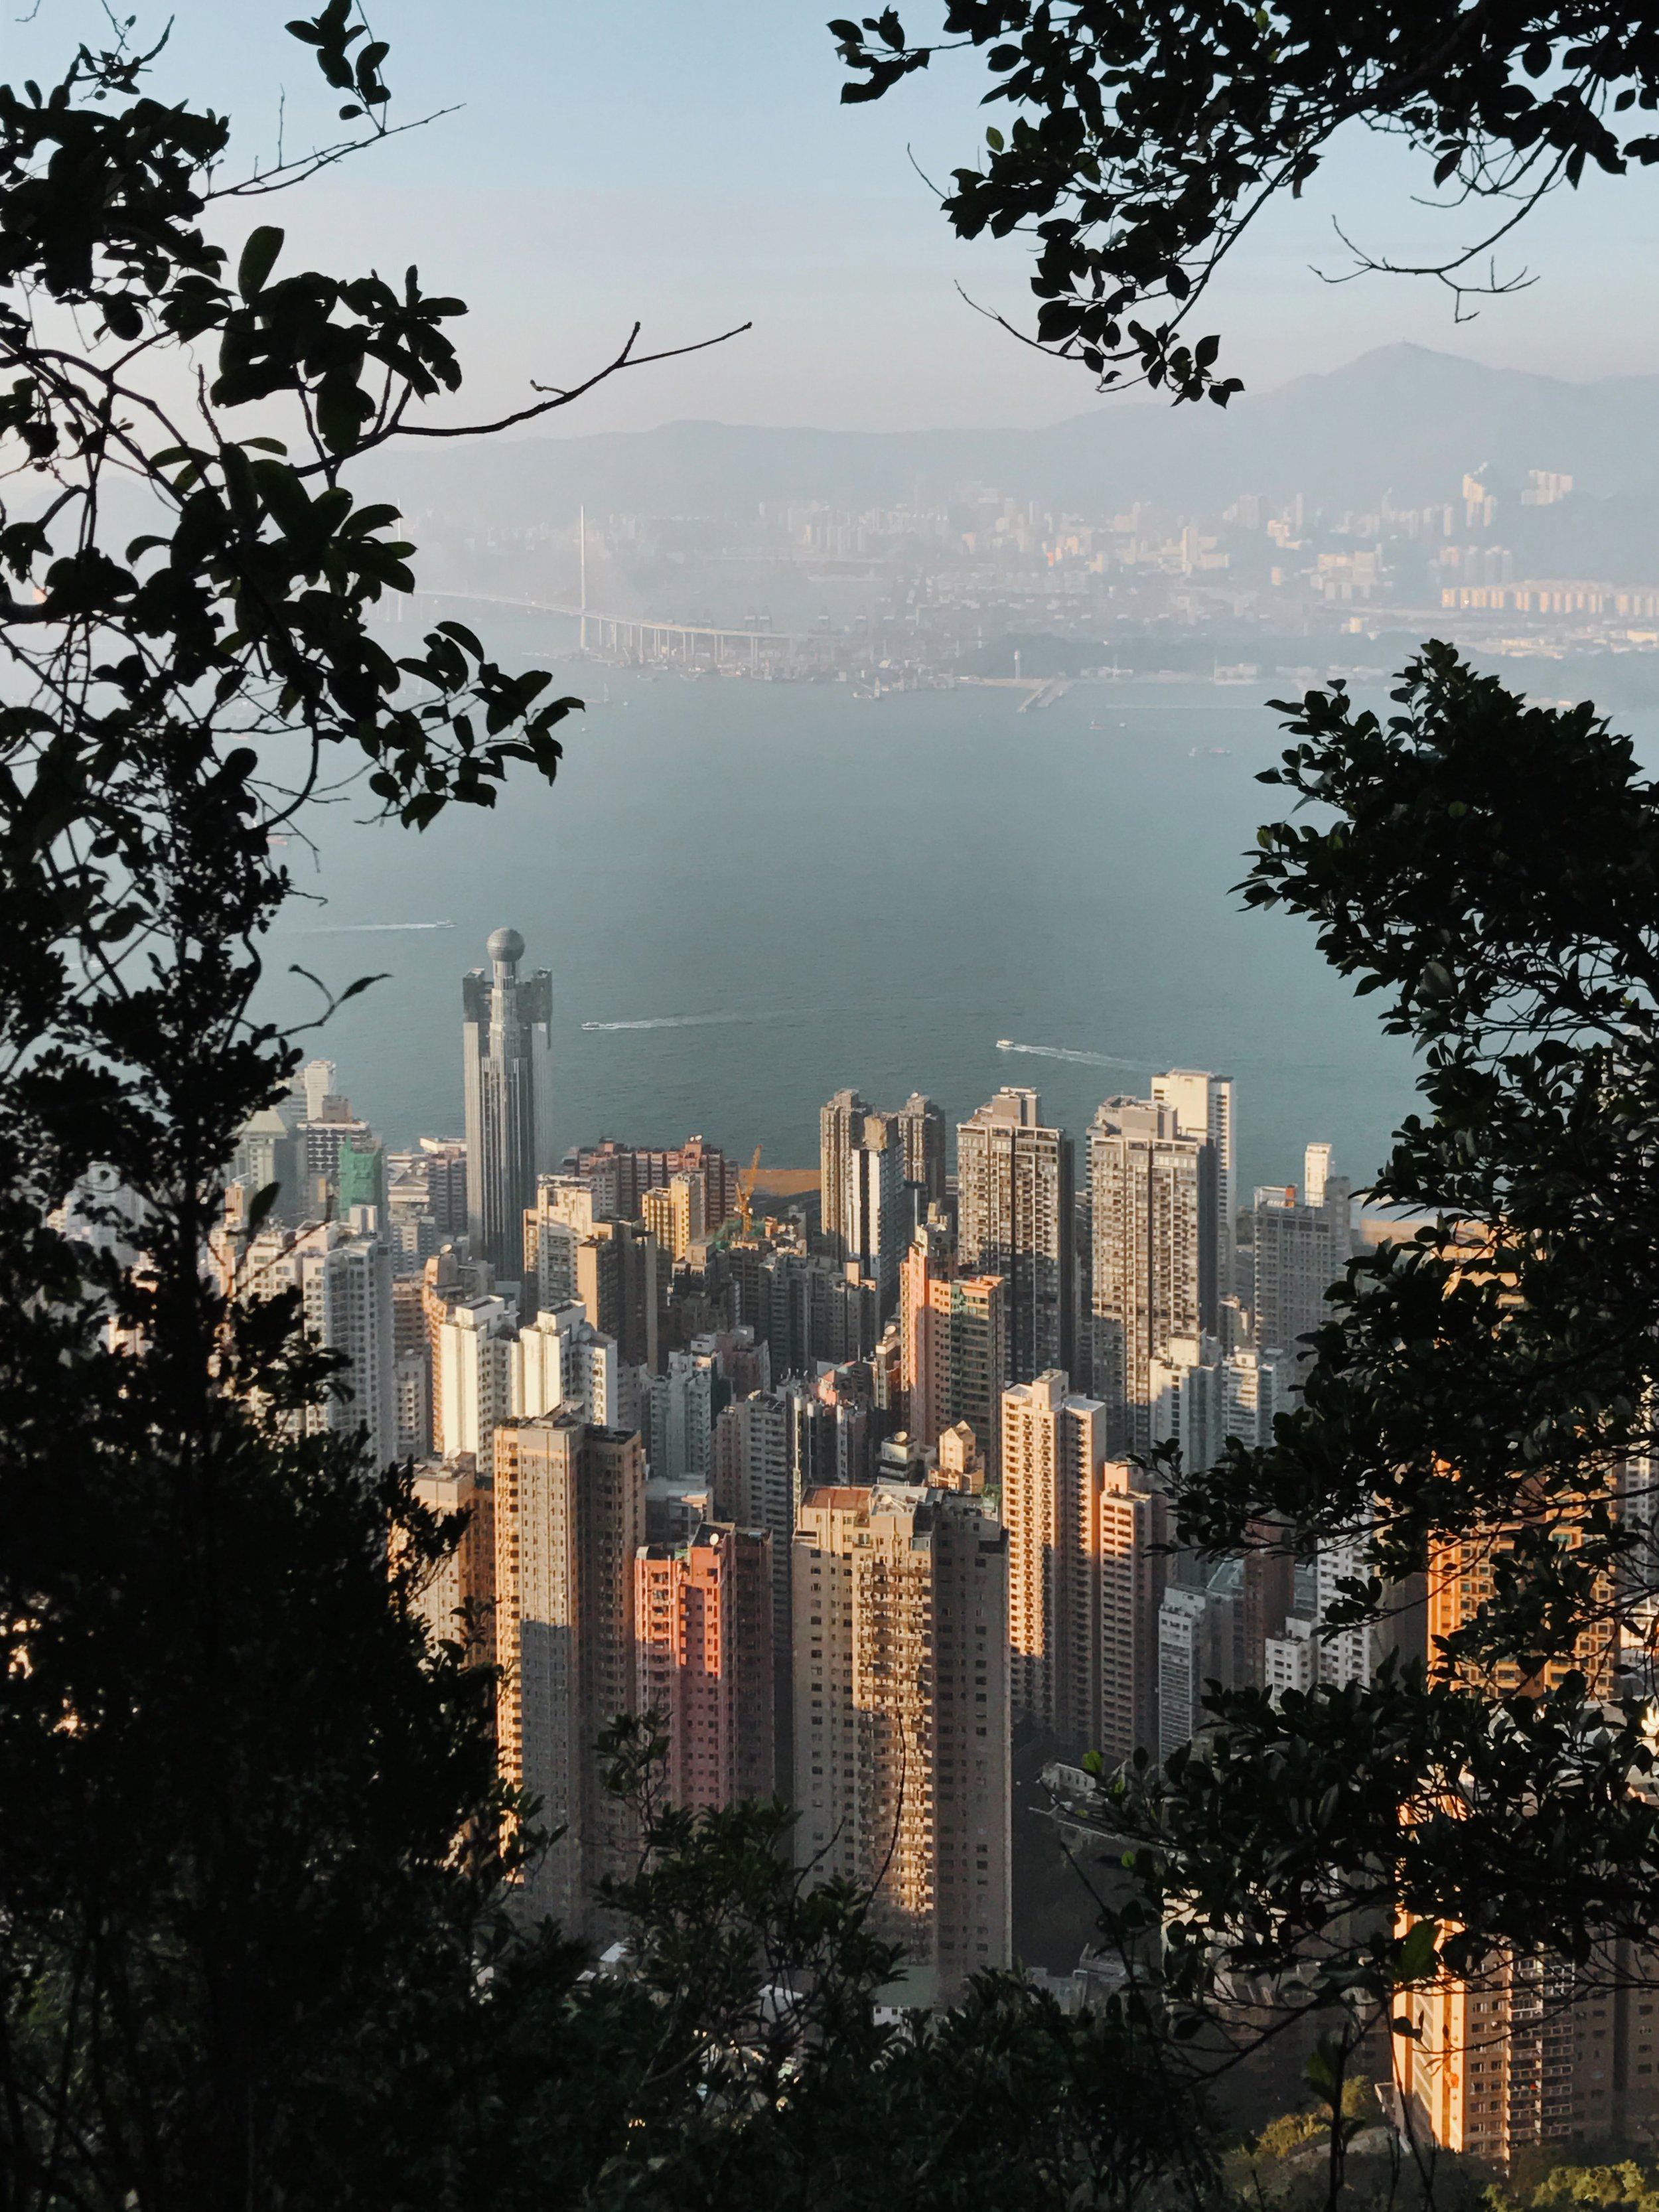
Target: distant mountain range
(1402, 421)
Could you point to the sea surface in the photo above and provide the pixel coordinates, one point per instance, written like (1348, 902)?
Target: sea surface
(752, 894)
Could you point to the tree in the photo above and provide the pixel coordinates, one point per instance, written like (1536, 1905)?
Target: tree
(1145, 140)
(253, 1851)
(1481, 1410)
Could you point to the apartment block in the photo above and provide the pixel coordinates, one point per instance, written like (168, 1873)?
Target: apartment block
(702, 1631)
(569, 1522)
(1535, 2053)
(1015, 1217)
(1153, 1201)
(458, 1603)
(478, 1349)
(1302, 1247)
(345, 1281)
(901, 1718)
(952, 1345)
(1087, 1571)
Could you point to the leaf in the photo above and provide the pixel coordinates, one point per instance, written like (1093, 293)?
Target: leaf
(258, 259)
(259, 1206)
(463, 636)
(1417, 1953)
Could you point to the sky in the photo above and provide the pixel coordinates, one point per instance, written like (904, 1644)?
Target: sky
(692, 167)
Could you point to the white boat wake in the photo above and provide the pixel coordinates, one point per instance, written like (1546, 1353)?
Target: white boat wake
(685, 1021)
(365, 928)
(1078, 1059)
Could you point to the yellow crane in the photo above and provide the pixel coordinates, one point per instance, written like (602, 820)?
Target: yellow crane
(746, 1191)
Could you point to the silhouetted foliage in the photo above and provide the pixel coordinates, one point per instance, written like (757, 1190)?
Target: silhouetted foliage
(1479, 1414)
(1143, 141)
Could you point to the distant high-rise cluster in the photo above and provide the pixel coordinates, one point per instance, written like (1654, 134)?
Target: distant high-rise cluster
(845, 1492)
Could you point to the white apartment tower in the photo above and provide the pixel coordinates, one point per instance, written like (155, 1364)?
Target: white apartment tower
(1203, 1107)
(477, 1352)
(563, 1360)
(1153, 1205)
(508, 1080)
(344, 1279)
(1015, 1218)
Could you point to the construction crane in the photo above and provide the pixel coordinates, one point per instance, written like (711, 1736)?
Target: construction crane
(746, 1191)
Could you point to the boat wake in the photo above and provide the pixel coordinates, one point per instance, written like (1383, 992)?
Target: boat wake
(366, 929)
(683, 1022)
(1078, 1059)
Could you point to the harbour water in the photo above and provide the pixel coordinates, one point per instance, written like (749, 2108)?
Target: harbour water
(752, 894)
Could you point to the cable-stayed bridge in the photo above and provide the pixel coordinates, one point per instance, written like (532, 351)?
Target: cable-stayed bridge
(640, 639)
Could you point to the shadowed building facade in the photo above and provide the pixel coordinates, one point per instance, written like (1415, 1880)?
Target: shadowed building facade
(569, 1522)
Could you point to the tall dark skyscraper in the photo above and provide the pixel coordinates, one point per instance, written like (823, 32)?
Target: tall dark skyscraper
(507, 1071)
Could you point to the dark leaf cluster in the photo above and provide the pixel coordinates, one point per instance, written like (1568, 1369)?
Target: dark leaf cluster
(1144, 140)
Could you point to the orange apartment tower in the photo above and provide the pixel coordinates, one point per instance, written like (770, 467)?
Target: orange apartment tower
(702, 1640)
(1087, 1565)
(901, 1718)
(1536, 2050)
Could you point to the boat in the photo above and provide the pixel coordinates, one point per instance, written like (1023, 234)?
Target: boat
(1005, 1044)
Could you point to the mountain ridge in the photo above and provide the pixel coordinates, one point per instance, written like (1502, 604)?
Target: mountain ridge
(1401, 420)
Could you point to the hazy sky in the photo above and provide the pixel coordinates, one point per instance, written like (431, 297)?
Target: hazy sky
(692, 166)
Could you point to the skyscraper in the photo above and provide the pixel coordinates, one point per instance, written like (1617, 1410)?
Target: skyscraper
(672, 1211)
(901, 1712)
(876, 1216)
(1301, 1248)
(345, 1281)
(683, 1402)
(921, 1132)
(703, 1633)
(1086, 1566)
(1015, 1218)
(1151, 1193)
(563, 1360)
(952, 1346)
(754, 1483)
(569, 1522)
(458, 1602)
(1203, 1106)
(567, 1210)
(841, 1124)
(1054, 1445)
(508, 1080)
(477, 1350)
(616, 1285)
